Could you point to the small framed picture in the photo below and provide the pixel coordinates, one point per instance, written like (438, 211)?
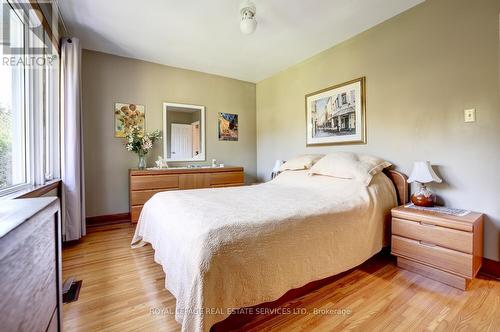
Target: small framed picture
(228, 127)
(336, 115)
(128, 115)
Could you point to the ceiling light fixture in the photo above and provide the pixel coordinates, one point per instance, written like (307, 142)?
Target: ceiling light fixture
(248, 22)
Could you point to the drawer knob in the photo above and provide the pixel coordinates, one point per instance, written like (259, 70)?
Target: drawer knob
(427, 244)
(426, 224)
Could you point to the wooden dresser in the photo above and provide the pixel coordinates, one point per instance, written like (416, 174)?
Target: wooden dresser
(30, 265)
(442, 247)
(145, 183)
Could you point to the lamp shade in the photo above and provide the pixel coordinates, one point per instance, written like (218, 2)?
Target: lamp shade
(422, 172)
(277, 165)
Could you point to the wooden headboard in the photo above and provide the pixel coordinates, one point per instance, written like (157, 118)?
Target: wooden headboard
(402, 188)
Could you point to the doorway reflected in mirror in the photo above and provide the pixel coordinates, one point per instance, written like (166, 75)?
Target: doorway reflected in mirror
(184, 127)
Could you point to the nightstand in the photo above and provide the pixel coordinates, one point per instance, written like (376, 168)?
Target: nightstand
(439, 246)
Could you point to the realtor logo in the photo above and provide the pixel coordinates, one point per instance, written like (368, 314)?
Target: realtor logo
(23, 28)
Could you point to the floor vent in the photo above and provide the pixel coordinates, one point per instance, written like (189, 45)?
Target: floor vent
(72, 293)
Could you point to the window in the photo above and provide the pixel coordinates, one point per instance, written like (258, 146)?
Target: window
(29, 101)
(13, 170)
(51, 168)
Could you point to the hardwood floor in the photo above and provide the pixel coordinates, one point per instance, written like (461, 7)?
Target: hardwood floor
(123, 290)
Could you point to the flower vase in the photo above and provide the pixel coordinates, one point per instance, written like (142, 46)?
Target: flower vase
(142, 162)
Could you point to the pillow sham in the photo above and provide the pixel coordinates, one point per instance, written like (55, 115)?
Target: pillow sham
(304, 161)
(348, 165)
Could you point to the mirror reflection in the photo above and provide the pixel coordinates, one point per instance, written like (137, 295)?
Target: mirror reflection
(183, 128)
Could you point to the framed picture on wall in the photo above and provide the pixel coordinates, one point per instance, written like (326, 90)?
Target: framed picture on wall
(336, 115)
(228, 127)
(127, 115)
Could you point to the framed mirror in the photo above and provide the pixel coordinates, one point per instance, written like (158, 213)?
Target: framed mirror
(183, 132)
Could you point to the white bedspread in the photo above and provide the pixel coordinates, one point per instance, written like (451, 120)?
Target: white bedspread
(237, 247)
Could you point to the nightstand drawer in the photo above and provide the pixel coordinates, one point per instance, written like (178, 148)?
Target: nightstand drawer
(449, 260)
(441, 236)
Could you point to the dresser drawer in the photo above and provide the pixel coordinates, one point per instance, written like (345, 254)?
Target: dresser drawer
(227, 185)
(222, 178)
(154, 182)
(135, 212)
(194, 181)
(447, 259)
(441, 236)
(142, 196)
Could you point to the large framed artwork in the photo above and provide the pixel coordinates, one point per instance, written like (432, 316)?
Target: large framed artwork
(127, 115)
(336, 115)
(228, 127)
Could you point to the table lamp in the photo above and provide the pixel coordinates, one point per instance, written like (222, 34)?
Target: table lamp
(423, 173)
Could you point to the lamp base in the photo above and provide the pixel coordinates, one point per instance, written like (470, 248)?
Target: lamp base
(424, 197)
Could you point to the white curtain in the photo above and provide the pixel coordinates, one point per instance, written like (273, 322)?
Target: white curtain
(73, 191)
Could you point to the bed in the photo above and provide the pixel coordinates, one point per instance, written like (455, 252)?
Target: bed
(228, 248)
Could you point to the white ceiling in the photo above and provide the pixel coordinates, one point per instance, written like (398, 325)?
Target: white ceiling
(204, 35)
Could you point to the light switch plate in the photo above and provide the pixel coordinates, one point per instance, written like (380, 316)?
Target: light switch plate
(470, 115)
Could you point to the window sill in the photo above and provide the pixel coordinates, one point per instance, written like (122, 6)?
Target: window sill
(34, 191)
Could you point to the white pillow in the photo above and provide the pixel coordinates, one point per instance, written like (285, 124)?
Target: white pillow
(301, 162)
(347, 165)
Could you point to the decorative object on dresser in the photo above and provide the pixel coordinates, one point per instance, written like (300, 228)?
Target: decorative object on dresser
(141, 143)
(161, 163)
(336, 115)
(145, 183)
(30, 265)
(441, 246)
(423, 173)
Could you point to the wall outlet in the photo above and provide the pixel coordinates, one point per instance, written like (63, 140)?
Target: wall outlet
(470, 115)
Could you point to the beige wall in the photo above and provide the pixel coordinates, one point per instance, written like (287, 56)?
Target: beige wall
(422, 68)
(108, 79)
